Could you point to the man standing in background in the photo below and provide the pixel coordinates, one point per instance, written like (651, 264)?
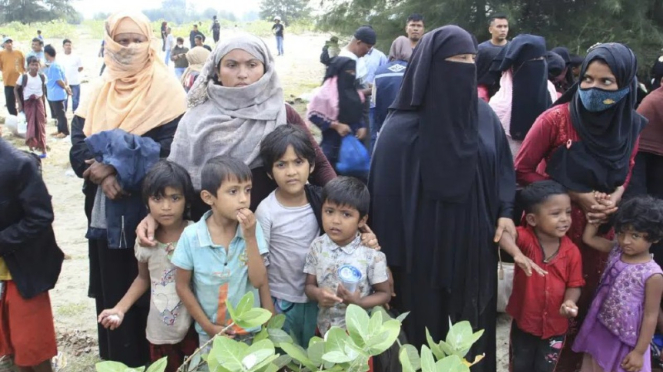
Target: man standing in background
(12, 65)
(179, 57)
(215, 29)
(73, 66)
(415, 28)
(487, 81)
(170, 43)
(56, 91)
(277, 29)
(38, 52)
(193, 34)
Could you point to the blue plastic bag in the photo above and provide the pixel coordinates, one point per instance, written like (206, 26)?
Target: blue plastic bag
(353, 158)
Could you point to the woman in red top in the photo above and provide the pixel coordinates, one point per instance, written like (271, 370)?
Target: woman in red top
(588, 142)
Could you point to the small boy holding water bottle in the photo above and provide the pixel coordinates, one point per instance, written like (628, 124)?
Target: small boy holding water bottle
(341, 270)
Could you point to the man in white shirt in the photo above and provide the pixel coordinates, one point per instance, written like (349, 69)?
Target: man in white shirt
(73, 66)
(170, 44)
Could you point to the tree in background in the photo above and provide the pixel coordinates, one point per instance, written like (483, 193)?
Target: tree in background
(29, 11)
(576, 24)
(288, 10)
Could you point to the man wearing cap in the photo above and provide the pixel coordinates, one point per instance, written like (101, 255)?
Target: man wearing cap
(362, 42)
(277, 29)
(12, 64)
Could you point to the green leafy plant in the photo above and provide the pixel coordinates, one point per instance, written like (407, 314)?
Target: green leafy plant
(450, 354)
(339, 351)
(347, 351)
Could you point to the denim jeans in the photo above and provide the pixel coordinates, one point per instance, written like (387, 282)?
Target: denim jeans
(279, 45)
(179, 71)
(167, 59)
(75, 98)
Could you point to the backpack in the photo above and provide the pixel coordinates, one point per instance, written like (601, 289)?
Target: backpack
(24, 83)
(324, 56)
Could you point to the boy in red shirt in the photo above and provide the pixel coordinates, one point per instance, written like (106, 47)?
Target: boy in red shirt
(542, 303)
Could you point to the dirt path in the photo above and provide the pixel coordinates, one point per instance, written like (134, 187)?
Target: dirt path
(299, 71)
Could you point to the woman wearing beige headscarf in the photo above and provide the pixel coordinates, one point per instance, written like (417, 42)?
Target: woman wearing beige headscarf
(138, 95)
(196, 57)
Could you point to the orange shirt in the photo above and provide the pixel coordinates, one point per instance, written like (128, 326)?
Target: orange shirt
(11, 64)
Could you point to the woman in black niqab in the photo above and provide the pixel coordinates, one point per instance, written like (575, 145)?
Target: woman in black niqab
(568, 81)
(441, 179)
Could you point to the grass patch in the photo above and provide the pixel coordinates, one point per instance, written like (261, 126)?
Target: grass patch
(25, 33)
(71, 309)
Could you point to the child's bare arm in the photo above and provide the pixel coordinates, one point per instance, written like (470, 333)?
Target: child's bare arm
(324, 297)
(140, 285)
(569, 308)
(380, 297)
(183, 287)
(266, 298)
(653, 291)
(508, 244)
(256, 263)
(591, 238)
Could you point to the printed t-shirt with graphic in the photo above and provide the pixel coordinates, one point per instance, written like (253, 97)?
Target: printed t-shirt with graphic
(168, 320)
(535, 301)
(217, 276)
(324, 260)
(289, 232)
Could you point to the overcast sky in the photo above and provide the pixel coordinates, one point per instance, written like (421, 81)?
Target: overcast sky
(90, 7)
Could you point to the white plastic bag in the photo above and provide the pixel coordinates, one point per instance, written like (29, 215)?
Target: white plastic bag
(10, 123)
(22, 125)
(504, 285)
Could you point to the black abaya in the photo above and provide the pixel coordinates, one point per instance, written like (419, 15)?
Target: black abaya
(112, 270)
(400, 207)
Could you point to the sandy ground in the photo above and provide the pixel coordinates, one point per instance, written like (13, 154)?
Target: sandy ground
(299, 71)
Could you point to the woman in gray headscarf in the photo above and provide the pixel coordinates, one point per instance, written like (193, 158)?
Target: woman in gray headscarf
(235, 102)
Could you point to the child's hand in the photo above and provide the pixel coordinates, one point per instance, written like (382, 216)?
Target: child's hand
(528, 265)
(248, 222)
(347, 297)
(569, 309)
(327, 298)
(216, 329)
(111, 318)
(368, 238)
(633, 362)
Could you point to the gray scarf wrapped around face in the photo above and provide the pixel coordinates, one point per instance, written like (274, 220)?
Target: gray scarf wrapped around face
(228, 120)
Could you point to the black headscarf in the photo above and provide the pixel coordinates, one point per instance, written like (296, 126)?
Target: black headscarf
(566, 56)
(556, 65)
(600, 160)
(530, 96)
(350, 105)
(445, 95)
(484, 61)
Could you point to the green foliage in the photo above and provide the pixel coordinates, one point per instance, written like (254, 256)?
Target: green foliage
(576, 24)
(450, 354)
(339, 351)
(24, 33)
(347, 351)
(30, 11)
(288, 10)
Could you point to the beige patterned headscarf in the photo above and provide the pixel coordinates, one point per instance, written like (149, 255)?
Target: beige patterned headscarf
(137, 93)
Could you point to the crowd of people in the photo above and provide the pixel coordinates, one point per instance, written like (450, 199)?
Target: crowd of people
(197, 196)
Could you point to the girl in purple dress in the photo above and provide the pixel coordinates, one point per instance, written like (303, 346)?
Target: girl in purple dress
(616, 333)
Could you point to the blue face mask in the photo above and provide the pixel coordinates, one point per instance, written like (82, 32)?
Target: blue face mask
(597, 100)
